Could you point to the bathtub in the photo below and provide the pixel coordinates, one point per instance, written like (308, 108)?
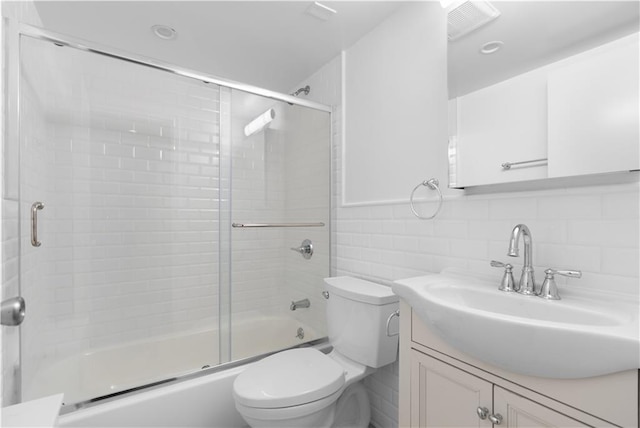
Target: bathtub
(197, 398)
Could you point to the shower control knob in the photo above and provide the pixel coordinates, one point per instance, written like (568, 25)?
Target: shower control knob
(325, 294)
(305, 249)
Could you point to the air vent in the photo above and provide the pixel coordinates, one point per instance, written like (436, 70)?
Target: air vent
(469, 16)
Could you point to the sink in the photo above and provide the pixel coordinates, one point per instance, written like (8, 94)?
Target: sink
(583, 335)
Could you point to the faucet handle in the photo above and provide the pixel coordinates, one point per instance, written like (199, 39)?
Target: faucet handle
(549, 289)
(507, 283)
(570, 273)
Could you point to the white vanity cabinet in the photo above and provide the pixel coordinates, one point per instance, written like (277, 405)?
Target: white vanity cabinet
(444, 395)
(443, 387)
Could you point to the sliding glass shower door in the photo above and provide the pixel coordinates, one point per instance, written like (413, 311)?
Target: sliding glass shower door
(280, 248)
(160, 230)
(119, 202)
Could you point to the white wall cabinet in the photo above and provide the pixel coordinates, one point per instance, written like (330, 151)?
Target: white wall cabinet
(593, 112)
(581, 113)
(506, 122)
(443, 387)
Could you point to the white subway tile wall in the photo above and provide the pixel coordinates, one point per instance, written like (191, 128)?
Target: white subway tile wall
(591, 228)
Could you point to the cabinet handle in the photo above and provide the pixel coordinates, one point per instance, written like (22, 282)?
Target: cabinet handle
(507, 165)
(496, 419)
(482, 412)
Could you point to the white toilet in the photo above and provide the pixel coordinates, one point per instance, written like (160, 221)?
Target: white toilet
(306, 388)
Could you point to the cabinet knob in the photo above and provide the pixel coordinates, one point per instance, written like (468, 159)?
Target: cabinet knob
(496, 419)
(482, 412)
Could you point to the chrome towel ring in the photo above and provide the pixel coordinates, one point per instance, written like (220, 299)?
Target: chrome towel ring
(432, 183)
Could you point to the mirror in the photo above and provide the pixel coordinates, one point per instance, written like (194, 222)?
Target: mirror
(521, 102)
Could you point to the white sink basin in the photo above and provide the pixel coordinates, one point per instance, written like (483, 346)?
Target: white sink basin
(585, 334)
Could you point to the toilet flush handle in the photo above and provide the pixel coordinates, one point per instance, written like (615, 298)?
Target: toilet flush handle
(394, 314)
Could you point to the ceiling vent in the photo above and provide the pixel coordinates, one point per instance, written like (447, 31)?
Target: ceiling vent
(469, 16)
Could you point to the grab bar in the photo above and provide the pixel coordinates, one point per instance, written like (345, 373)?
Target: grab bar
(508, 165)
(251, 225)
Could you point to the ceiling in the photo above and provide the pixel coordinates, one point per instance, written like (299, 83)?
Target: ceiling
(276, 45)
(270, 44)
(535, 33)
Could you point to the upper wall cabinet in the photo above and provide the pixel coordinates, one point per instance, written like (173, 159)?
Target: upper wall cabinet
(593, 112)
(576, 116)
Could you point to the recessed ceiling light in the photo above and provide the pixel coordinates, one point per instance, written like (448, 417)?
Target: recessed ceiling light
(491, 47)
(164, 32)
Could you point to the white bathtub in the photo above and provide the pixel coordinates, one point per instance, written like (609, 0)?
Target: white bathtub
(197, 402)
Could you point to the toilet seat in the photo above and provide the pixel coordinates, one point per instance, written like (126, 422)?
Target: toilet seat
(289, 378)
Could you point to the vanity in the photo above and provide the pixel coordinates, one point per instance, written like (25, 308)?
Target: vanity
(473, 356)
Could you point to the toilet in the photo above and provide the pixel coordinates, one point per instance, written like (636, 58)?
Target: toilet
(304, 387)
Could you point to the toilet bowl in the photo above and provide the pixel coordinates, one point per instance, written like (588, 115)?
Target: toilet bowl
(306, 388)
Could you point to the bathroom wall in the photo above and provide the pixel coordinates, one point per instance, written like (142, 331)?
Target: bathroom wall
(579, 224)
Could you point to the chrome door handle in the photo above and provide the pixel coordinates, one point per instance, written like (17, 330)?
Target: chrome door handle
(482, 412)
(35, 207)
(305, 249)
(12, 311)
(496, 419)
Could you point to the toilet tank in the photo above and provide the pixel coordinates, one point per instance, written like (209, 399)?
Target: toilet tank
(357, 313)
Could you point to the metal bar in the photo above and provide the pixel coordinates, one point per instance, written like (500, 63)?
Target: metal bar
(508, 165)
(252, 225)
(64, 40)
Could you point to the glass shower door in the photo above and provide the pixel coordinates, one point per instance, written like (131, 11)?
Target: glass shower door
(124, 162)
(280, 186)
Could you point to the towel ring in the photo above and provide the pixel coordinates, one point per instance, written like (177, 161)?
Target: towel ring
(432, 183)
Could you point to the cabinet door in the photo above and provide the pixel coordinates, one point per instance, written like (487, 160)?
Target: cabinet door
(518, 411)
(506, 122)
(593, 112)
(444, 396)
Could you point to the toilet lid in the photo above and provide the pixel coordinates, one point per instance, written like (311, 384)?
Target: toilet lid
(288, 378)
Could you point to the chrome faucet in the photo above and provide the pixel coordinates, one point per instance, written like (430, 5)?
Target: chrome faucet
(527, 283)
(304, 303)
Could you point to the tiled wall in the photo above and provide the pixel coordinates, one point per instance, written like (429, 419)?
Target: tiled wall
(587, 226)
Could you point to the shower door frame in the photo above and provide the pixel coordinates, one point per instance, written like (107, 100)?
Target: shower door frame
(13, 32)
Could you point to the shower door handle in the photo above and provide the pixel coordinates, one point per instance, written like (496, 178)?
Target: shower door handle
(35, 207)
